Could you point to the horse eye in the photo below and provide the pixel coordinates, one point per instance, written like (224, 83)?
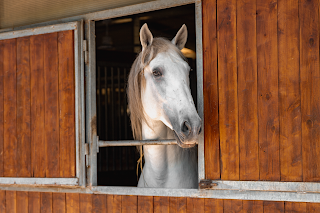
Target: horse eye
(156, 73)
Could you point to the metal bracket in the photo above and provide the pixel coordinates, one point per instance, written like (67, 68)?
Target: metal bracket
(85, 50)
(207, 184)
(86, 152)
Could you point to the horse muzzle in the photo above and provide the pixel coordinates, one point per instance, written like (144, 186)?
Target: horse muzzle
(188, 133)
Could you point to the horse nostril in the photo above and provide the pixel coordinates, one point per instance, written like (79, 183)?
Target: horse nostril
(200, 129)
(186, 128)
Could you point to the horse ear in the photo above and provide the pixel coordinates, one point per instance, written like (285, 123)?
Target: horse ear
(146, 37)
(181, 38)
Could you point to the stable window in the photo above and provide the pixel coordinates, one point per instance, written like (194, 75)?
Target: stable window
(113, 45)
(41, 115)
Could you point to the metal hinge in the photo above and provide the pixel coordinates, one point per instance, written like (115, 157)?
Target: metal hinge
(207, 184)
(85, 51)
(86, 152)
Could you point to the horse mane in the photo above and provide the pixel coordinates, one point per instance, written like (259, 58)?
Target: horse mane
(136, 81)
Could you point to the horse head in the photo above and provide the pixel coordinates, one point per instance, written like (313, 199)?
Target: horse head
(163, 78)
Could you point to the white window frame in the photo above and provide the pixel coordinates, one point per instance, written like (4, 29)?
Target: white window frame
(79, 105)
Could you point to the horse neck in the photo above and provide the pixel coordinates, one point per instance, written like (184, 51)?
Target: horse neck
(160, 158)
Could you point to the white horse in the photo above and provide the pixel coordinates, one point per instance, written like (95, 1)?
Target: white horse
(161, 107)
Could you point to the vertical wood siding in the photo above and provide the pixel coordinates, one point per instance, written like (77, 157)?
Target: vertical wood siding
(261, 90)
(47, 202)
(37, 106)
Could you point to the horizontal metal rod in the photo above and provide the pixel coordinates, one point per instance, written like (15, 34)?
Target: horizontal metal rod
(137, 143)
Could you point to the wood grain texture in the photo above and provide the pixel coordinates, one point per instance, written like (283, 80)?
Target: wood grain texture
(145, 204)
(51, 104)
(59, 202)
(273, 207)
(11, 202)
(66, 104)
(38, 145)
(213, 205)
(130, 203)
(310, 87)
(1, 105)
(247, 90)
(267, 53)
(46, 202)
(289, 91)
(291, 207)
(232, 206)
(72, 202)
(178, 205)
(114, 203)
(34, 202)
(313, 207)
(22, 202)
(195, 205)
(252, 206)
(228, 97)
(85, 203)
(210, 90)
(10, 108)
(160, 204)
(99, 203)
(23, 108)
(2, 201)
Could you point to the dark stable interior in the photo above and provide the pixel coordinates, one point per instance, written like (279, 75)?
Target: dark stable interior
(117, 45)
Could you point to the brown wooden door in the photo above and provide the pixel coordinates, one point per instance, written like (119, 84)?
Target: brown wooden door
(37, 106)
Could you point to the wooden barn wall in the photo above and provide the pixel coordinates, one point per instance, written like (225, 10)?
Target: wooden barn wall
(37, 102)
(47, 202)
(261, 89)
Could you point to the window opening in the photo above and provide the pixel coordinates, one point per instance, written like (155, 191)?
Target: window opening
(117, 45)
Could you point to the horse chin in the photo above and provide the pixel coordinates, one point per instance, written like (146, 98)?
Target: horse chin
(182, 144)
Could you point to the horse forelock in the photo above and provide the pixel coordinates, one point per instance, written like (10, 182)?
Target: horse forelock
(136, 82)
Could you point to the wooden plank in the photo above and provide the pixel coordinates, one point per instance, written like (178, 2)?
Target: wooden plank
(289, 91)
(46, 202)
(160, 204)
(232, 206)
(72, 200)
(129, 203)
(34, 202)
(114, 203)
(58, 202)
(67, 104)
(51, 104)
(273, 207)
(11, 202)
(195, 205)
(210, 90)
(145, 204)
(38, 145)
(1, 105)
(22, 202)
(85, 203)
(10, 104)
(247, 90)
(2, 201)
(291, 207)
(213, 205)
(23, 108)
(310, 87)
(267, 53)
(252, 206)
(313, 207)
(178, 205)
(99, 203)
(228, 97)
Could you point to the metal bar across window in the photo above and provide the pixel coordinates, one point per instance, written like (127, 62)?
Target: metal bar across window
(137, 142)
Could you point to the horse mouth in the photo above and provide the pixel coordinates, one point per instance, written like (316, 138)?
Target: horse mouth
(181, 144)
